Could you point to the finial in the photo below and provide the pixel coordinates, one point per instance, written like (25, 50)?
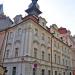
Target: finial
(34, 1)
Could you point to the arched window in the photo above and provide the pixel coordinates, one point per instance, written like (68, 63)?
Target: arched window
(16, 52)
(43, 53)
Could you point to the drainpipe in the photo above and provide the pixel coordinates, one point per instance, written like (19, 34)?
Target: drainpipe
(51, 54)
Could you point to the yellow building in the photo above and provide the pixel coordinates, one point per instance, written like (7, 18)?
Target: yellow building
(2, 70)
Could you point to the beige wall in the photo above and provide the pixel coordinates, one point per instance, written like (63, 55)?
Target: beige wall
(27, 41)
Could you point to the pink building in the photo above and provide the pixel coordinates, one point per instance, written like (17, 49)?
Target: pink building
(67, 38)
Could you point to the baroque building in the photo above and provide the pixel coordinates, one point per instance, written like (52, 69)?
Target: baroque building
(29, 47)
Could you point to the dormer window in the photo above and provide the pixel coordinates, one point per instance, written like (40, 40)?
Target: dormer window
(43, 23)
(17, 19)
(61, 38)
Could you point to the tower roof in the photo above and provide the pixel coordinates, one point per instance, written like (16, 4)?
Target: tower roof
(33, 8)
(5, 22)
(62, 30)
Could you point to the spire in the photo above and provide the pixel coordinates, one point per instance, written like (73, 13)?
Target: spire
(33, 8)
(34, 2)
(1, 9)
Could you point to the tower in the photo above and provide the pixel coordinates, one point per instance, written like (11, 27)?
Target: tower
(33, 8)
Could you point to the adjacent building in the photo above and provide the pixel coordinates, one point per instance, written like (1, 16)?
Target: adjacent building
(5, 22)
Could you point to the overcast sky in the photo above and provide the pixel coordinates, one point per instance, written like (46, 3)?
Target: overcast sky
(60, 12)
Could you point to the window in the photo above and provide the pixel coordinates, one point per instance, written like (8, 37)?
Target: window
(55, 43)
(57, 34)
(43, 23)
(19, 31)
(70, 73)
(43, 72)
(16, 52)
(55, 58)
(58, 59)
(34, 71)
(63, 62)
(5, 70)
(49, 72)
(7, 53)
(65, 49)
(62, 48)
(59, 73)
(0, 52)
(14, 71)
(66, 62)
(42, 55)
(49, 40)
(63, 73)
(61, 38)
(55, 72)
(48, 57)
(35, 52)
(36, 32)
(43, 36)
(58, 45)
(10, 35)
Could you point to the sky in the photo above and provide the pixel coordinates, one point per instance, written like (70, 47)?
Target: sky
(59, 12)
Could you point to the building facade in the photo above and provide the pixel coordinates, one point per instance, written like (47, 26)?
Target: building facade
(31, 48)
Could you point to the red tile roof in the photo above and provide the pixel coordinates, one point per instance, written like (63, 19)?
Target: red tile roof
(31, 17)
(62, 30)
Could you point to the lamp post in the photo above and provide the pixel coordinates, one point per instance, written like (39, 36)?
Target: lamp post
(51, 54)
